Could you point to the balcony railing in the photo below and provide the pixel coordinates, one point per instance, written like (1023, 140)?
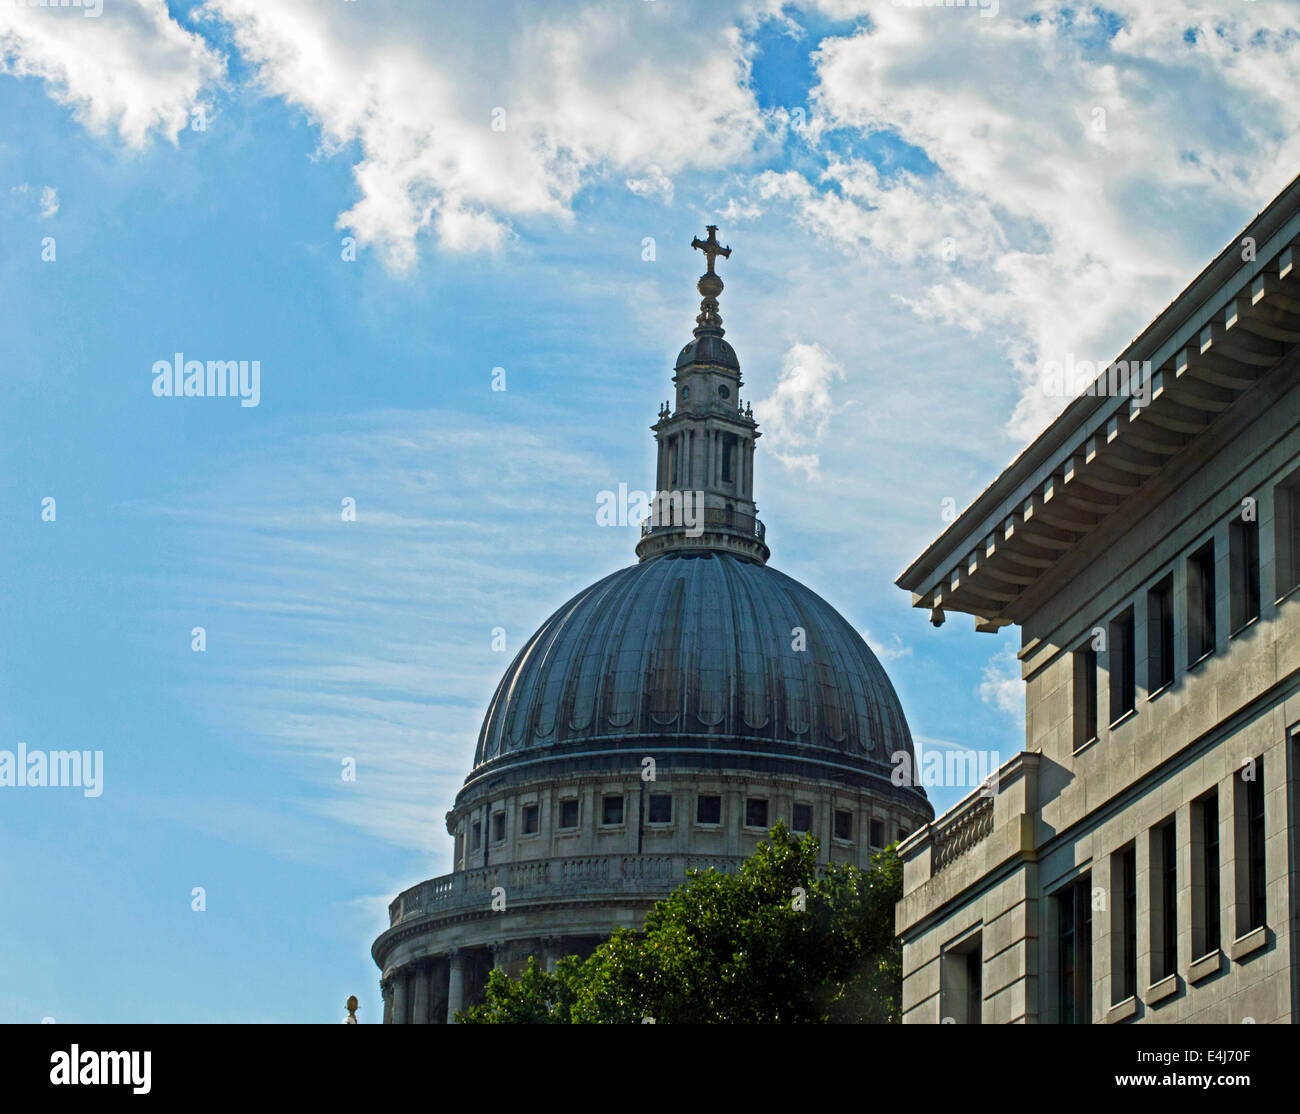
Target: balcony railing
(647, 876)
(962, 831)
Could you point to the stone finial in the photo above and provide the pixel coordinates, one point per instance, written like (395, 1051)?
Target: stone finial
(710, 284)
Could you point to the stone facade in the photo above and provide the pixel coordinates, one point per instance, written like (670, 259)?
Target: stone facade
(1138, 861)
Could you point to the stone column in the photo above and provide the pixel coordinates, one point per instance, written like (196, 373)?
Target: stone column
(420, 998)
(438, 991)
(455, 984)
(386, 990)
(400, 1014)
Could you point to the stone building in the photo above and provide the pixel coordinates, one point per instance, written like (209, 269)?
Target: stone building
(661, 720)
(1137, 862)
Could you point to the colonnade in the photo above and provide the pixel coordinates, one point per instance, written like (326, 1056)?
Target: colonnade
(430, 990)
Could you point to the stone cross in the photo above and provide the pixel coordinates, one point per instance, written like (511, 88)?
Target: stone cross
(711, 248)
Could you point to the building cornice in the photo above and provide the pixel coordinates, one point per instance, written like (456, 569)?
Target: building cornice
(1231, 328)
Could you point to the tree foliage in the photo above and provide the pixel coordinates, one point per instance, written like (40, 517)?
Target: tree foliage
(780, 942)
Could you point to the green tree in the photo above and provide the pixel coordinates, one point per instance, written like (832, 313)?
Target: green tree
(780, 942)
(533, 998)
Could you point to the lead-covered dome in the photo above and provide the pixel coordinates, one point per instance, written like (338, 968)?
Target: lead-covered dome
(698, 651)
(708, 350)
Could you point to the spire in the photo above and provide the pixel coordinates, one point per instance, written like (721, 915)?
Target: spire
(704, 486)
(710, 284)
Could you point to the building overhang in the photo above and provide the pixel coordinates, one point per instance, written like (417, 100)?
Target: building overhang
(1233, 327)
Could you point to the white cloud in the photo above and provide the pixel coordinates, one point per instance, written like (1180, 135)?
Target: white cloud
(655, 183)
(1002, 686)
(133, 70)
(887, 651)
(574, 92)
(1066, 236)
(795, 416)
(49, 197)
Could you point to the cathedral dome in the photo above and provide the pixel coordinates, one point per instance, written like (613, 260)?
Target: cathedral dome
(696, 651)
(660, 722)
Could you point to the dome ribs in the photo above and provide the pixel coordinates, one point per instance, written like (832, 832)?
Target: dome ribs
(693, 651)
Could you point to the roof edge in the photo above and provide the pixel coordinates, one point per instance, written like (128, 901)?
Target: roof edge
(1226, 272)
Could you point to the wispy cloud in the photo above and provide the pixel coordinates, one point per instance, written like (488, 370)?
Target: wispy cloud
(890, 650)
(370, 641)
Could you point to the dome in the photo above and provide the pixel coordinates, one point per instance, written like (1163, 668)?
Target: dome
(708, 349)
(696, 651)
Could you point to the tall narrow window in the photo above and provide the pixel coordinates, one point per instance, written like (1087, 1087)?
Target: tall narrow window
(1255, 846)
(1243, 567)
(1123, 678)
(961, 989)
(1085, 696)
(1200, 603)
(1074, 952)
(1286, 533)
(1124, 925)
(1169, 882)
(728, 455)
(1205, 875)
(1164, 900)
(1160, 635)
(1248, 855)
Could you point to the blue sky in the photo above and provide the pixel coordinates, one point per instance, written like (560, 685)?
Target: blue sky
(962, 198)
